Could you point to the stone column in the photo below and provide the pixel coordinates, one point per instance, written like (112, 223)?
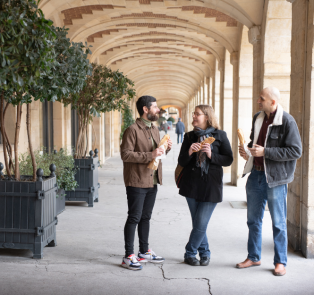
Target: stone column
(234, 60)
(58, 124)
(222, 91)
(117, 131)
(208, 90)
(300, 202)
(108, 137)
(213, 87)
(255, 40)
(98, 136)
(204, 92)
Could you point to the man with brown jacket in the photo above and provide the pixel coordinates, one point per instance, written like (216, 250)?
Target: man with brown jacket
(138, 148)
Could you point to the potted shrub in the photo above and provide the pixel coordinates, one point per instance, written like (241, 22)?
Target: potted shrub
(64, 171)
(105, 90)
(30, 62)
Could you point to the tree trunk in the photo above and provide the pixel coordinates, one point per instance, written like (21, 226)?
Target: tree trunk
(8, 143)
(78, 140)
(86, 145)
(28, 125)
(7, 167)
(16, 142)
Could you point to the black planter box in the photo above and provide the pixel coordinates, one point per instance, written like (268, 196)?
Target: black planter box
(60, 201)
(28, 214)
(87, 179)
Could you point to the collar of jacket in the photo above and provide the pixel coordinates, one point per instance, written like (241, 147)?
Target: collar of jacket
(257, 128)
(142, 124)
(277, 120)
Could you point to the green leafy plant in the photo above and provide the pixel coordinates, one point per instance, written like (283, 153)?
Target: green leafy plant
(161, 119)
(26, 49)
(64, 161)
(170, 119)
(105, 90)
(127, 119)
(37, 62)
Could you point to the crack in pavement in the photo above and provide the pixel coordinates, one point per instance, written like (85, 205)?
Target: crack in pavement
(200, 279)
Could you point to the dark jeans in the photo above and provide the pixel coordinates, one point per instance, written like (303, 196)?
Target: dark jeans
(141, 202)
(201, 213)
(258, 194)
(178, 136)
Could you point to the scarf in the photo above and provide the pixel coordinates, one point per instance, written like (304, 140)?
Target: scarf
(201, 157)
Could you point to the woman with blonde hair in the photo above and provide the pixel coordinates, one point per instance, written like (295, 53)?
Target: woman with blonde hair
(201, 182)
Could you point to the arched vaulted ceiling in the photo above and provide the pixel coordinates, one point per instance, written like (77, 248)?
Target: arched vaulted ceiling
(167, 47)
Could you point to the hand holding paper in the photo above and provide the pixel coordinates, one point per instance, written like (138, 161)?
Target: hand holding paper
(163, 144)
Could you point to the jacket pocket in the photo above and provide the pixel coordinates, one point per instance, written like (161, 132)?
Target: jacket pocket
(278, 170)
(274, 140)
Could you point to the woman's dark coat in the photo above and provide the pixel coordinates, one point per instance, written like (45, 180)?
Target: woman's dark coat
(192, 185)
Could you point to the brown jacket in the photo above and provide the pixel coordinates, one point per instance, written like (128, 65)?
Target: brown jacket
(136, 152)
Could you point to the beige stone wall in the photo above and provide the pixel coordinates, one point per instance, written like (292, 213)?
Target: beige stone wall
(277, 42)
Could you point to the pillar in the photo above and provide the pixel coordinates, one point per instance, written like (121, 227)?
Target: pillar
(217, 91)
(255, 39)
(300, 201)
(213, 86)
(221, 93)
(208, 90)
(108, 136)
(234, 60)
(204, 92)
(58, 125)
(117, 131)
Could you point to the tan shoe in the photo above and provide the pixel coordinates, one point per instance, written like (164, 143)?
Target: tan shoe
(248, 263)
(279, 270)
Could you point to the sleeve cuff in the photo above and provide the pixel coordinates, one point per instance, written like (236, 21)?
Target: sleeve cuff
(149, 156)
(266, 152)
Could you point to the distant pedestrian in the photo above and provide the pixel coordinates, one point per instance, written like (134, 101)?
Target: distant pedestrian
(165, 126)
(180, 129)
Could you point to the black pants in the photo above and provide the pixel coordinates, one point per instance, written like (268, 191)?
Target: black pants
(141, 202)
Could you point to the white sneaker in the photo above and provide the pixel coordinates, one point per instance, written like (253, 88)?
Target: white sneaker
(150, 256)
(131, 262)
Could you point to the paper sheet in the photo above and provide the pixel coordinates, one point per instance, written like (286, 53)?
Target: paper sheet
(163, 156)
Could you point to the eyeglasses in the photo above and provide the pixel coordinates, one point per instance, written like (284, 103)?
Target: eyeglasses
(197, 114)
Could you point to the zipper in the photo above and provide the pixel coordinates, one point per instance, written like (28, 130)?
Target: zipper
(264, 151)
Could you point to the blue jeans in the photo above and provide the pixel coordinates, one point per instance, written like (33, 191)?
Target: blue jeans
(200, 213)
(258, 193)
(178, 136)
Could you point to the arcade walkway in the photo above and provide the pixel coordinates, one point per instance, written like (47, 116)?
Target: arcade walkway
(90, 247)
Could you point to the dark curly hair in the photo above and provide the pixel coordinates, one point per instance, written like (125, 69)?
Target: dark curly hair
(144, 101)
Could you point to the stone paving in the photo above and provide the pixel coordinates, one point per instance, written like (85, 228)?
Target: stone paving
(90, 248)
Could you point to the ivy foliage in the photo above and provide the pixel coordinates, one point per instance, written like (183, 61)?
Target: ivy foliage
(127, 118)
(170, 119)
(65, 168)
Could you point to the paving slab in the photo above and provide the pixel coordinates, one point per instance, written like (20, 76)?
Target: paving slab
(90, 248)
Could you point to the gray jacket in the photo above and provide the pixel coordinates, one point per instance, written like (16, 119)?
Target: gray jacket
(180, 128)
(283, 147)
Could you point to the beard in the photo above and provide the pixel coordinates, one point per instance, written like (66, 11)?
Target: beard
(152, 117)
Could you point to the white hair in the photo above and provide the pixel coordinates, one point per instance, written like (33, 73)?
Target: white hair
(274, 93)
